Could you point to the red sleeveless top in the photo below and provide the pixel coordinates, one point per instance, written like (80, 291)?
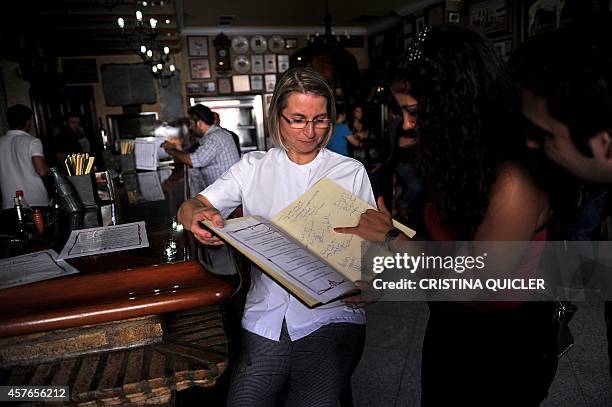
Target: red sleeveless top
(527, 267)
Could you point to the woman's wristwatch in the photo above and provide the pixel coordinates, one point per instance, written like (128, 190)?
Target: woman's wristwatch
(390, 236)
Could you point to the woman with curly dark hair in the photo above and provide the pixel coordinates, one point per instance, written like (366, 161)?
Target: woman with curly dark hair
(456, 93)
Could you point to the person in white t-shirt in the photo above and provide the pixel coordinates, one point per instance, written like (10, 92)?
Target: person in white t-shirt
(310, 353)
(22, 161)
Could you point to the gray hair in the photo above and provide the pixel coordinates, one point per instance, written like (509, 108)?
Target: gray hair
(305, 81)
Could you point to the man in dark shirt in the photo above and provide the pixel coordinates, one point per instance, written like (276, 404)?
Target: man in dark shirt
(71, 139)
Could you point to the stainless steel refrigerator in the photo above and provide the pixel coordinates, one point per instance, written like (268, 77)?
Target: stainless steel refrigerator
(241, 114)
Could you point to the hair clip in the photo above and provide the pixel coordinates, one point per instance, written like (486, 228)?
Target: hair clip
(414, 53)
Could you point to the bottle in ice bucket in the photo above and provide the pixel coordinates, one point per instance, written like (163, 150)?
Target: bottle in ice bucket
(25, 208)
(69, 202)
(20, 225)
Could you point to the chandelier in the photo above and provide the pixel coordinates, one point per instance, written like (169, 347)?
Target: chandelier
(143, 40)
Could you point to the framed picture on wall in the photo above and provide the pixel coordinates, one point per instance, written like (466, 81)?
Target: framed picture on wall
(192, 88)
(454, 17)
(209, 88)
(270, 63)
(407, 25)
(197, 46)
(540, 17)
(435, 15)
(199, 68)
(489, 16)
(504, 48)
(224, 85)
(283, 63)
(257, 64)
(419, 23)
(270, 81)
(257, 83)
(290, 43)
(241, 83)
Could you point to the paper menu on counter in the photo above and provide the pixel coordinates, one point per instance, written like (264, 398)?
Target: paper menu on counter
(32, 267)
(150, 186)
(106, 239)
(145, 152)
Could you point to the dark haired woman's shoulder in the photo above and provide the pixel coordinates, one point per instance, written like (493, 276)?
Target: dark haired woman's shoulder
(517, 205)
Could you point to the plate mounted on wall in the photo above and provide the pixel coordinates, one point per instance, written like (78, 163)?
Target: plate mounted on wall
(276, 44)
(240, 44)
(259, 44)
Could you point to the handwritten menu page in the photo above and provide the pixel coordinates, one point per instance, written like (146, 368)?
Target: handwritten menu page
(311, 219)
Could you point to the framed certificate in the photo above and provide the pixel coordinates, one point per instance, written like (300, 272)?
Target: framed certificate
(270, 63)
(257, 83)
(270, 81)
(241, 83)
(197, 46)
(224, 85)
(192, 88)
(257, 64)
(208, 87)
(199, 68)
(283, 63)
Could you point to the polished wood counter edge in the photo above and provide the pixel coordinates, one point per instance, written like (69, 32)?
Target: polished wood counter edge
(86, 299)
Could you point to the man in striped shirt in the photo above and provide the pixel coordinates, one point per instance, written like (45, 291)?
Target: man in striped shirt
(215, 154)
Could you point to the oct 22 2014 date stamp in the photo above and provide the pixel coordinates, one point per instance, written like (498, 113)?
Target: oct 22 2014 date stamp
(34, 393)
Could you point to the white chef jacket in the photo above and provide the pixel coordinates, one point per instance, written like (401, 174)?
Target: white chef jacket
(265, 183)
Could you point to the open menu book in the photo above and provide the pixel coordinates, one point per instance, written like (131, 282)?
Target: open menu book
(299, 249)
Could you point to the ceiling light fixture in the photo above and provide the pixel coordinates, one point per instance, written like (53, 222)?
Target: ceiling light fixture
(142, 39)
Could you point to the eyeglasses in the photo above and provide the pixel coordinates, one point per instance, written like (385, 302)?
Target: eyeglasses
(302, 123)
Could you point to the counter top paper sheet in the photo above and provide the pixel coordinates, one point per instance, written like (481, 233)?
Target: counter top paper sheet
(32, 267)
(106, 239)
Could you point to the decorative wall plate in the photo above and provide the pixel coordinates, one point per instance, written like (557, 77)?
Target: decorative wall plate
(276, 44)
(240, 44)
(242, 64)
(259, 44)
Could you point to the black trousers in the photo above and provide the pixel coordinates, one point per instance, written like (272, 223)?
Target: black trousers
(311, 371)
(503, 358)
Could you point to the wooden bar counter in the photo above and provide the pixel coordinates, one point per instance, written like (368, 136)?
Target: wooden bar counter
(132, 326)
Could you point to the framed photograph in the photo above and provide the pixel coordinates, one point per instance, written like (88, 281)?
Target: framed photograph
(504, 48)
(199, 68)
(257, 64)
(270, 81)
(454, 17)
(540, 17)
(283, 63)
(270, 63)
(197, 46)
(241, 83)
(192, 88)
(489, 16)
(208, 87)
(408, 43)
(435, 15)
(225, 86)
(419, 24)
(407, 24)
(257, 83)
(290, 43)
